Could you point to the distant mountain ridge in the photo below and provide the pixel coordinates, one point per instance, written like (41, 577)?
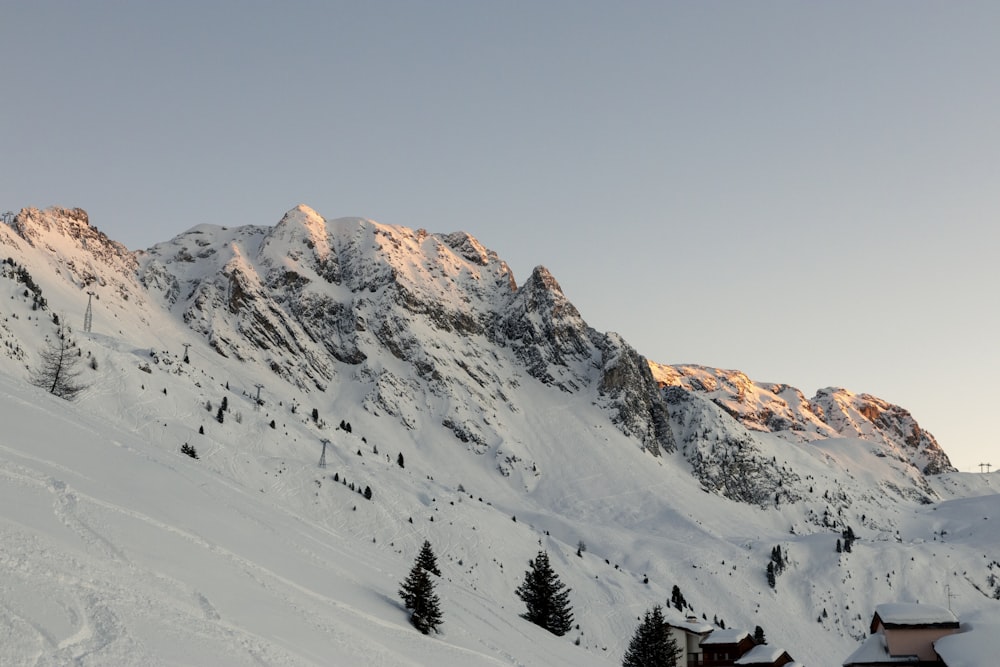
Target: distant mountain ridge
(307, 293)
(679, 474)
(832, 413)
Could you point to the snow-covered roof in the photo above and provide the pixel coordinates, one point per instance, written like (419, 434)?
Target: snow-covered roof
(725, 636)
(977, 645)
(874, 650)
(761, 655)
(694, 627)
(910, 613)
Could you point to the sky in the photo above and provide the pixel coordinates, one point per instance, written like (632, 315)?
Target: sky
(806, 192)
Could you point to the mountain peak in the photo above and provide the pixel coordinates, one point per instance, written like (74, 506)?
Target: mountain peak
(68, 239)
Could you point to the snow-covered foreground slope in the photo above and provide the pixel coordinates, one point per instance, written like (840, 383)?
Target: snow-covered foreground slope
(521, 429)
(115, 552)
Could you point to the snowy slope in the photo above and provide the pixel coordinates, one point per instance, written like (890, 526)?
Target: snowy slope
(521, 429)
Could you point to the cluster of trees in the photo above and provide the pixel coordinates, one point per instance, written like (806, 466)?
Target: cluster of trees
(545, 597)
(547, 603)
(775, 566)
(677, 600)
(849, 537)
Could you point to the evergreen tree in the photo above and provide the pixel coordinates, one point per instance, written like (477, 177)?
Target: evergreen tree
(546, 597)
(677, 599)
(220, 416)
(427, 560)
(417, 593)
(758, 636)
(770, 574)
(399, 460)
(58, 369)
(652, 645)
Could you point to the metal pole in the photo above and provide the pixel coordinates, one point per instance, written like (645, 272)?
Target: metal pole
(88, 318)
(322, 457)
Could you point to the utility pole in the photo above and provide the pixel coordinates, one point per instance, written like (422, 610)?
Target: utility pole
(257, 400)
(322, 457)
(984, 465)
(88, 317)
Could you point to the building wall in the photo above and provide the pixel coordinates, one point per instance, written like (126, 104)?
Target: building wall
(915, 641)
(688, 643)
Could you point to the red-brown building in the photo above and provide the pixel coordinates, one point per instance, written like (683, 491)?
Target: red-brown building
(724, 647)
(705, 645)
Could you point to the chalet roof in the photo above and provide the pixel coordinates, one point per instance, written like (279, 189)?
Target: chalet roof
(725, 636)
(909, 614)
(978, 644)
(762, 655)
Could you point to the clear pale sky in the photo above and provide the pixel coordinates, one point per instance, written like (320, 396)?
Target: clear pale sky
(808, 192)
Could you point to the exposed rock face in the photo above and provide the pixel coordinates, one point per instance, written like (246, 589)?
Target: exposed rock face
(86, 255)
(312, 299)
(433, 330)
(832, 413)
(726, 456)
(870, 418)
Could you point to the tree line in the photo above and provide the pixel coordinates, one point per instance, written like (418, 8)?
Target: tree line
(547, 605)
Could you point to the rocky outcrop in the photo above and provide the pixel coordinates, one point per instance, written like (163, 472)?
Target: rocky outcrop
(312, 299)
(870, 418)
(82, 252)
(832, 413)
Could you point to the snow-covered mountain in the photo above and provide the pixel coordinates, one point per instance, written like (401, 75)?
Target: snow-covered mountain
(521, 428)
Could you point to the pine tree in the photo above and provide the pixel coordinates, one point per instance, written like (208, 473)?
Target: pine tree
(58, 370)
(220, 416)
(546, 598)
(652, 645)
(770, 574)
(417, 593)
(677, 598)
(758, 636)
(427, 560)
(399, 460)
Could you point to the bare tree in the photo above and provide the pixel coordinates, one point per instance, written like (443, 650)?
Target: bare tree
(58, 370)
